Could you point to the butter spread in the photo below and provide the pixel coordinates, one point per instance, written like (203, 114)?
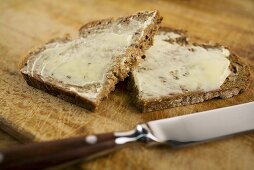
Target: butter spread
(85, 62)
(171, 68)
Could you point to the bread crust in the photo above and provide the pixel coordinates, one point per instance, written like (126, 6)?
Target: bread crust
(116, 74)
(235, 83)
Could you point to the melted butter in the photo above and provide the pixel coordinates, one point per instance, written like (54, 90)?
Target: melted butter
(170, 68)
(85, 61)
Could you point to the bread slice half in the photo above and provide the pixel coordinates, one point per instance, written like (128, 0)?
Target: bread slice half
(86, 69)
(174, 72)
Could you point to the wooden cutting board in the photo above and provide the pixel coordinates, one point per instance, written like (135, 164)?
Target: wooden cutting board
(32, 115)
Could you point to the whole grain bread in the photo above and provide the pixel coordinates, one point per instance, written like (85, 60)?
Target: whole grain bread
(144, 24)
(235, 83)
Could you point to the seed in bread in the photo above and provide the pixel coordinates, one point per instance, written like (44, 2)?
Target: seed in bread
(176, 73)
(86, 69)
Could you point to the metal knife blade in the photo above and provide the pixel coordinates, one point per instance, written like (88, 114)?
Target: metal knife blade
(193, 128)
(177, 131)
(204, 126)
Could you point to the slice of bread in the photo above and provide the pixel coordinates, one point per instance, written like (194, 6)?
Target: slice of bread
(86, 69)
(174, 72)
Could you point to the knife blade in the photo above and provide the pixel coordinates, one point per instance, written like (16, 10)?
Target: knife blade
(177, 131)
(204, 126)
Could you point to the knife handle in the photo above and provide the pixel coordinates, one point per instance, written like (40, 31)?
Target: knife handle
(46, 154)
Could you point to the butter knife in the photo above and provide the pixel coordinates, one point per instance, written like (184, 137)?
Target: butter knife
(177, 131)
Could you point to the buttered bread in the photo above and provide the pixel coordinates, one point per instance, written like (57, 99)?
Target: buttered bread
(174, 72)
(86, 69)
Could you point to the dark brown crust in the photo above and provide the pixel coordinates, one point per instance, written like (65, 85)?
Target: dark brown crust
(233, 85)
(181, 40)
(136, 49)
(170, 29)
(113, 76)
(59, 92)
(147, 38)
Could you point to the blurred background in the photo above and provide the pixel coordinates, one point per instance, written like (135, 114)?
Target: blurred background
(28, 23)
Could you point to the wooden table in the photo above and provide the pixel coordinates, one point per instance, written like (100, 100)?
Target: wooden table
(32, 115)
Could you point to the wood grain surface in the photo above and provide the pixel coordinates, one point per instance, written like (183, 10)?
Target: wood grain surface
(32, 115)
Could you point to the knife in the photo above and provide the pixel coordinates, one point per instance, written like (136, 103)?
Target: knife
(177, 132)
